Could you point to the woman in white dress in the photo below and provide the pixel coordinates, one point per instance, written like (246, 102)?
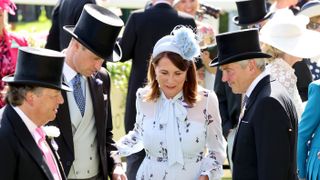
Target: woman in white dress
(178, 122)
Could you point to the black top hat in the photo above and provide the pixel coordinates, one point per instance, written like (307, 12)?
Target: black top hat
(97, 29)
(38, 67)
(238, 46)
(251, 12)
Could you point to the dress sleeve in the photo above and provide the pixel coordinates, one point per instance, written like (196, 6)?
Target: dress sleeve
(132, 142)
(309, 123)
(215, 142)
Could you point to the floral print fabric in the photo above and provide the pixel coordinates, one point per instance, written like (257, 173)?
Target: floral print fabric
(6, 64)
(9, 44)
(199, 136)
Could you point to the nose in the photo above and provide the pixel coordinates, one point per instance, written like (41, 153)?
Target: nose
(60, 99)
(170, 79)
(224, 77)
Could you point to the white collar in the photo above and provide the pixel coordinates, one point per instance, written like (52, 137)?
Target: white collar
(26, 120)
(255, 82)
(68, 73)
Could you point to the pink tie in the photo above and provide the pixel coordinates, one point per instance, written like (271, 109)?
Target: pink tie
(47, 153)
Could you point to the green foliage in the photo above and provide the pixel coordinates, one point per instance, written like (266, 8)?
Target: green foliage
(223, 24)
(35, 32)
(120, 73)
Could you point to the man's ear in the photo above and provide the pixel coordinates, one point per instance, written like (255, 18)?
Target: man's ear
(29, 98)
(252, 65)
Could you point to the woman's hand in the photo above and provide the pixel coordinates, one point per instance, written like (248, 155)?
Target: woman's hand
(118, 173)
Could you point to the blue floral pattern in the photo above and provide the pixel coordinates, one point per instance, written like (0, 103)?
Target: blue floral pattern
(200, 138)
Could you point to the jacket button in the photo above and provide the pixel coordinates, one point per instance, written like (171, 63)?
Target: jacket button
(68, 163)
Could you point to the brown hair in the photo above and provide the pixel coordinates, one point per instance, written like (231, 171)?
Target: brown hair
(314, 18)
(190, 85)
(16, 94)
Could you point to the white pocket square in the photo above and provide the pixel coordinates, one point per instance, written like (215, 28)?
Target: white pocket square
(105, 97)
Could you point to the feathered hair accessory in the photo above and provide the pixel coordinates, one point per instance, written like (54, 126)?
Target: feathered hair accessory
(182, 41)
(8, 5)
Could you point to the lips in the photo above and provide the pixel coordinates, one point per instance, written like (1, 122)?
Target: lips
(170, 87)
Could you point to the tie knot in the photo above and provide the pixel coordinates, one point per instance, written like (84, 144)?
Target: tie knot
(76, 79)
(41, 133)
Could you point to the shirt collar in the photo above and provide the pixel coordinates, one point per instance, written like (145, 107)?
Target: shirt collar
(27, 121)
(178, 96)
(255, 82)
(68, 73)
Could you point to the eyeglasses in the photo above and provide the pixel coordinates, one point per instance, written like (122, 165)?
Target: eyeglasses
(313, 25)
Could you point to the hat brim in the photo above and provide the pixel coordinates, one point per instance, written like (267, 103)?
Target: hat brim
(117, 52)
(236, 20)
(239, 57)
(303, 46)
(311, 11)
(10, 80)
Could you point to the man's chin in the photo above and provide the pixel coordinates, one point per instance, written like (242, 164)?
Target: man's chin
(235, 91)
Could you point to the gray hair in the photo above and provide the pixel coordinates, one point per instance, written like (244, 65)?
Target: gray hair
(260, 63)
(16, 94)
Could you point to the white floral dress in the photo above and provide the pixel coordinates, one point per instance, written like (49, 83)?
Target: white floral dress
(284, 73)
(180, 142)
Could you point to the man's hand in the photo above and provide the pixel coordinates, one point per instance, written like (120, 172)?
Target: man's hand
(118, 173)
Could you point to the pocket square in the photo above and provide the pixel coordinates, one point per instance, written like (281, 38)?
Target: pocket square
(105, 97)
(246, 122)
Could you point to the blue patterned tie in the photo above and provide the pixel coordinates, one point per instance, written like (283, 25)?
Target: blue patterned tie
(78, 93)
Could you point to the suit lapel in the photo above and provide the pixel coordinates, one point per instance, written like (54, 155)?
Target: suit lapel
(253, 97)
(96, 93)
(57, 157)
(64, 121)
(27, 141)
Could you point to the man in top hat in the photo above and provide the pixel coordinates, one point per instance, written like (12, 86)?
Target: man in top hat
(265, 142)
(85, 119)
(33, 98)
(251, 13)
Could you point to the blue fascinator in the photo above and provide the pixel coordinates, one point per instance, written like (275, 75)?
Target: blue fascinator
(182, 41)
